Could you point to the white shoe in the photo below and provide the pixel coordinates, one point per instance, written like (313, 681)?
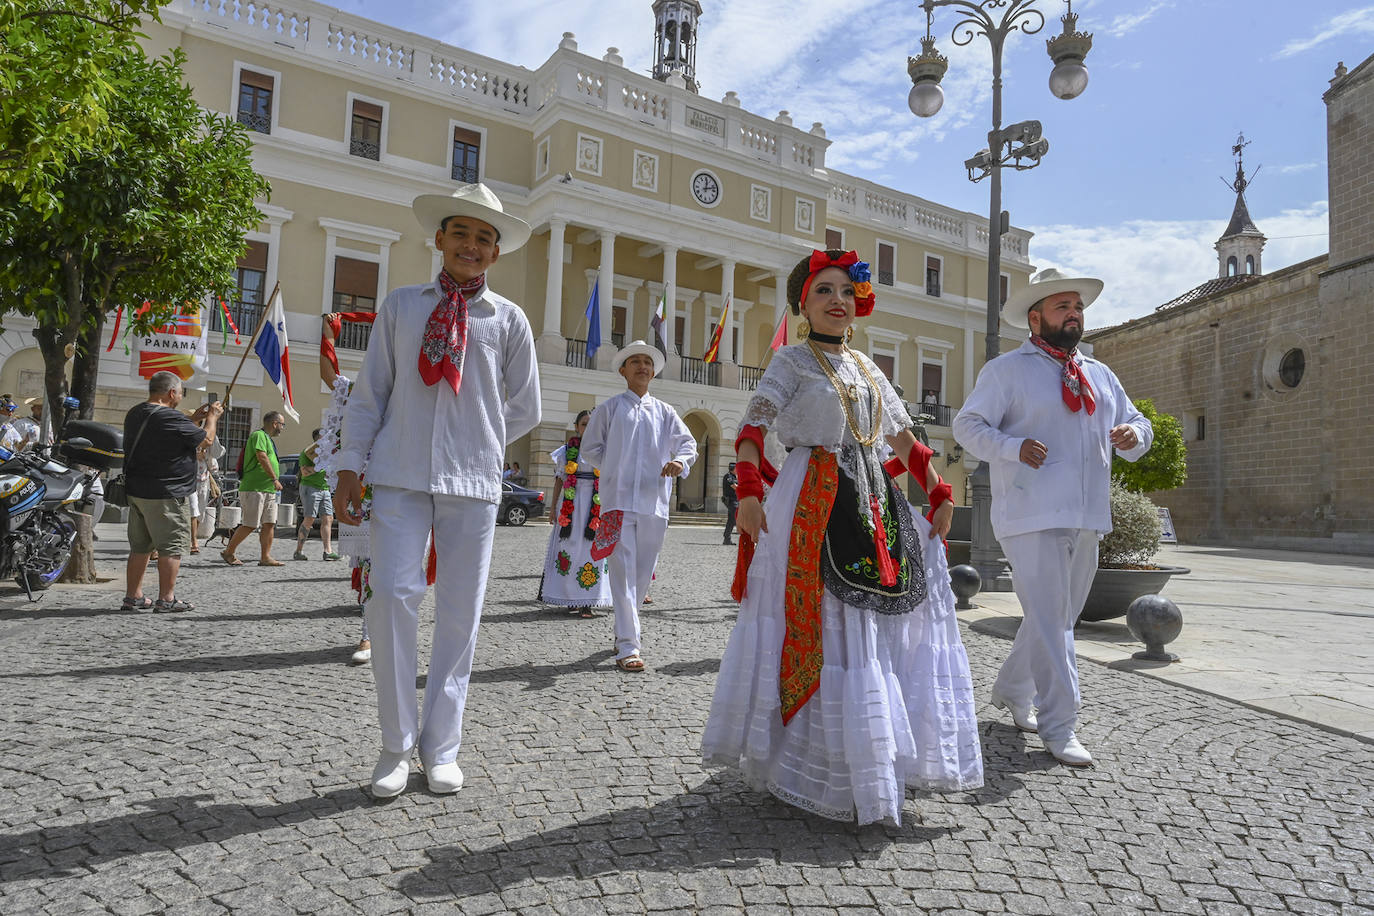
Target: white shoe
(1070, 752)
(390, 775)
(363, 654)
(444, 778)
(1022, 716)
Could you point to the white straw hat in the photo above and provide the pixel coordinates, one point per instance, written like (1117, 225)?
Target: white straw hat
(1046, 283)
(477, 201)
(635, 348)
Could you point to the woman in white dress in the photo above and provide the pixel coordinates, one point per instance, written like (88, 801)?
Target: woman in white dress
(844, 682)
(572, 579)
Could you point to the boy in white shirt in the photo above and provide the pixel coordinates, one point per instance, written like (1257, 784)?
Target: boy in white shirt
(640, 444)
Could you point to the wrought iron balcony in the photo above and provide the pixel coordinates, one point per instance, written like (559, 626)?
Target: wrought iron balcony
(699, 372)
(749, 377)
(261, 123)
(365, 149)
(576, 355)
(354, 335)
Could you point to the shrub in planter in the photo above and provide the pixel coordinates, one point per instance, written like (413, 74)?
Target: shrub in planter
(1134, 538)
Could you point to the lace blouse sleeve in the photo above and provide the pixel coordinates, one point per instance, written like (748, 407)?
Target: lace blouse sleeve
(776, 388)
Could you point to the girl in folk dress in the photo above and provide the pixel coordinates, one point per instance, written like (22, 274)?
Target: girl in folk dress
(844, 682)
(572, 578)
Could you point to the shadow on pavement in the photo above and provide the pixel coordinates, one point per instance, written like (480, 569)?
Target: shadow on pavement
(689, 669)
(721, 823)
(265, 661)
(160, 825)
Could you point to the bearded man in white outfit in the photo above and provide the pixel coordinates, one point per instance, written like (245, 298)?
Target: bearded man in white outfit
(450, 378)
(1046, 419)
(640, 444)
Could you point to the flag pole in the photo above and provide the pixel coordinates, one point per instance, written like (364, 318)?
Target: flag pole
(266, 309)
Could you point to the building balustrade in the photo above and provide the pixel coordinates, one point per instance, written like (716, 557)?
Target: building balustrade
(576, 356)
(699, 372)
(749, 377)
(354, 335)
(939, 414)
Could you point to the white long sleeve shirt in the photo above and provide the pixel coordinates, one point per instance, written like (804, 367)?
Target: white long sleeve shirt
(424, 437)
(1019, 396)
(630, 439)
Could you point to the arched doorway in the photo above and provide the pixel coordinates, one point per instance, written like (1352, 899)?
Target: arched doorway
(699, 490)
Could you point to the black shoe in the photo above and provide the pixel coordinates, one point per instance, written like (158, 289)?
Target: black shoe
(728, 543)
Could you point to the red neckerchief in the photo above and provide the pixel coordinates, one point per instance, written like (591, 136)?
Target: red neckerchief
(446, 332)
(1078, 391)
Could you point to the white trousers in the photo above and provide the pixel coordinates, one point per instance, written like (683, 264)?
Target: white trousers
(1052, 571)
(631, 569)
(463, 530)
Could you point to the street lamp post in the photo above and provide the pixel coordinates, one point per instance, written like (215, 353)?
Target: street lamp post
(1019, 146)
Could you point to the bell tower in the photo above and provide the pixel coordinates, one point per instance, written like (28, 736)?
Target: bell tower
(1240, 246)
(675, 40)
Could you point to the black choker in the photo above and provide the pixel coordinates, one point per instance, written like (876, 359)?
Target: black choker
(825, 338)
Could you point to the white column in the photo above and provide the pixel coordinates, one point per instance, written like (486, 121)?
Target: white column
(670, 292)
(606, 294)
(738, 313)
(780, 307)
(553, 295)
(727, 289)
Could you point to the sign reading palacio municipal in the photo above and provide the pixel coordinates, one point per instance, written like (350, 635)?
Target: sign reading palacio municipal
(705, 121)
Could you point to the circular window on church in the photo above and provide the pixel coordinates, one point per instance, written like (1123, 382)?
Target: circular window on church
(1291, 368)
(1283, 365)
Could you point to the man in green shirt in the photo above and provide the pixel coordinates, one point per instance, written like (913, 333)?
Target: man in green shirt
(259, 491)
(316, 501)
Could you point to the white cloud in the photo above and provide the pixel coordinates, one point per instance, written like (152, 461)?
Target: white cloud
(1145, 263)
(1125, 23)
(1297, 168)
(1354, 21)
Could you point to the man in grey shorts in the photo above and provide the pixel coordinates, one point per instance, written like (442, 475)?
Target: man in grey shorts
(160, 473)
(316, 501)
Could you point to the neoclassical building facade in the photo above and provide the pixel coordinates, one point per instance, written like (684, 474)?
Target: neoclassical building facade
(640, 186)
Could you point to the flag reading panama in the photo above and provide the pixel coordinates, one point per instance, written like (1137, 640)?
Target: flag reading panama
(177, 346)
(272, 351)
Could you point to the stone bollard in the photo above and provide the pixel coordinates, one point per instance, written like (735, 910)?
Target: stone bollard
(1154, 620)
(965, 583)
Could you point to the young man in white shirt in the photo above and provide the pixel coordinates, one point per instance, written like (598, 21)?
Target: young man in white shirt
(1046, 419)
(640, 444)
(450, 378)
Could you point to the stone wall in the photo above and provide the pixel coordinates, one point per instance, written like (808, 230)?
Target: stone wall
(1350, 163)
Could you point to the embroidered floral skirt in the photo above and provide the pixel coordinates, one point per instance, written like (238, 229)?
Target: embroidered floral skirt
(571, 577)
(895, 706)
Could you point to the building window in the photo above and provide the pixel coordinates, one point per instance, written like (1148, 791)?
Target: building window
(1291, 368)
(234, 429)
(618, 326)
(679, 332)
(467, 150)
(933, 269)
(1201, 427)
(365, 140)
(834, 238)
(1005, 285)
(1231, 268)
(886, 363)
(250, 278)
(355, 290)
(255, 101)
(1249, 263)
(932, 383)
(887, 257)
(1194, 425)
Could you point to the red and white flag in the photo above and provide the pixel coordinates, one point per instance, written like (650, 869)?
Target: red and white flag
(272, 350)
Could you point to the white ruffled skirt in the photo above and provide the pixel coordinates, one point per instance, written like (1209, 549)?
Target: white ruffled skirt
(571, 577)
(895, 706)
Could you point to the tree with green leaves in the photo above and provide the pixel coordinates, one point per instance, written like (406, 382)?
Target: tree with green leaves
(1165, 465)
(59, 75)
(155, 211)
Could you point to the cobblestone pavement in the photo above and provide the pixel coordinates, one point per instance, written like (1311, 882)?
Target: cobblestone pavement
(216, 762)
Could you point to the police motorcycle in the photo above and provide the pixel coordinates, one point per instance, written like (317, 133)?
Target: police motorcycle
(39, 494)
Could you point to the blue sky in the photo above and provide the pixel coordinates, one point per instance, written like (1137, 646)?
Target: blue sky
(1130, 190)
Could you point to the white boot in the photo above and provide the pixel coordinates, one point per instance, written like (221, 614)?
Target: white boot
(1023, 716)
(1069, 752)
(444, 778)
(390, 775)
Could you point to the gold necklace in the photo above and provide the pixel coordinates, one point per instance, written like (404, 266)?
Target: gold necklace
(849, 395)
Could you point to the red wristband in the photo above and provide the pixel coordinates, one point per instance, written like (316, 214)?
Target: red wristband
(750, 481)
(918, 463)
(943, 493)
(754, 434)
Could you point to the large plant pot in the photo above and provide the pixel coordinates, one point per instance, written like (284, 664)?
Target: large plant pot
(1114, 589)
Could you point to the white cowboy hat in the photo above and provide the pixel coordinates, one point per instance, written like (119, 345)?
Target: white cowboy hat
(477, 201)
(635, 348)
(1046, 283)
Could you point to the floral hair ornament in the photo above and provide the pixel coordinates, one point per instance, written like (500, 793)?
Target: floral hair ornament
(859, 272)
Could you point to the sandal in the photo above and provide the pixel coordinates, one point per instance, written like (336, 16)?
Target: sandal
(195, 550)
(270, 562)
(176, 604)
(587, 613)
(141, 603)
(229, 558)
(632, 663)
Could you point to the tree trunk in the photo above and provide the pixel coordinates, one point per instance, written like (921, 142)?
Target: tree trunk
(51, 345)
(81, 567)
(87, 368)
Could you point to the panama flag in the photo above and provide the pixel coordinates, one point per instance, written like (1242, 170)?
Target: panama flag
(713, 351)
(272, 351)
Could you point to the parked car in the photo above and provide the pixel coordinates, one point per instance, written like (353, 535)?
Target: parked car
(519, 504)
(288, 471)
